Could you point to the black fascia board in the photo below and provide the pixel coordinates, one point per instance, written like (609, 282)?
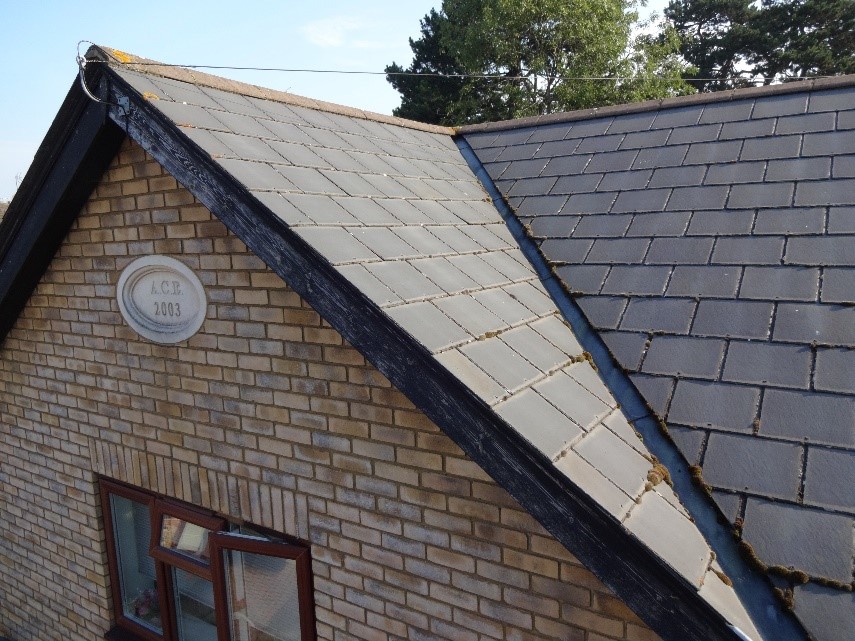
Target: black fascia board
(662, 598)
(79, 145)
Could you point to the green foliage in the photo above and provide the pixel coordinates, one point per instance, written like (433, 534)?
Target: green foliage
(735, 43)
(541, 57)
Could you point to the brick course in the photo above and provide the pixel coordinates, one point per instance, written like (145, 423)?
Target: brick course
(265, 415)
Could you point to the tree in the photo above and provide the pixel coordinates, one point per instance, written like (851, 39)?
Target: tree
(532, 57)
(735, 43)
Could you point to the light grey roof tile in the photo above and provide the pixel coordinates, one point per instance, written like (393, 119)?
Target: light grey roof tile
(724, 599)
(535, 348)
(482, 273)
(671, 535)
(387, 186)
(723, 222)
(656, 390)
(771, 147)
(403, 279)
(733, 319)
(714, 405)
(291, 132)
(490, 237)
(835, 192)
(641, 201)
(816, 542)
(369, 284)
(282, 207)
(420, 238)
(700, 133)
(507, 264)
(615, 459)
(827, 612)
(257, 175)
(584, 373)
(636, 279)
(249, 148)
(618, 250)
(503, 305)
(765, 363)
(368, 162)
(325, 137)
(685, 251)
(666, 223)
(603, 312)
(532, 295)
(830, 477)
(455, 238)
(556, 332)
(539, 422)
(626, 347)
(720, 281)
(584, 279)
(678, 176)
(476, 212)
(705, 153)
(309, 180)
(683, 198)
(189, 115)
(383, 242)
(322, 209)
(765, 195)
(337, 244)
(695, 357)
(572, 396)
(790, 222)
(298, 154)
(403, 211)
(366, 211)
(421, 188)
(471, 375)
(470, 314)
(748, 250)
(781, 283)
(444, 274)
(595, 484)
(754, 465)
(428, 325)
(212, 145)
(571, 250)
(808, 322)
(176, 90)
(401, 167)
(502, 363)
(831, 418)
(617, 423)
(672, 315)
(727, 111)
(241, 124)
(437, 213)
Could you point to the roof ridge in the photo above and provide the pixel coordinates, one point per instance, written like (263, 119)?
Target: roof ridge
(116, 58)
(795, 86)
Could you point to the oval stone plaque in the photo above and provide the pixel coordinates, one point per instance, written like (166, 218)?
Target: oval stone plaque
(161, 299)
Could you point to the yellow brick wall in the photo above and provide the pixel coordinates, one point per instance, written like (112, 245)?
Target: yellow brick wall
(265, 415)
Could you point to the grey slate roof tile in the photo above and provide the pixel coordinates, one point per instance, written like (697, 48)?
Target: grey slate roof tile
(544, 205)
(625, 180)
(584, 279)
(189, 115)
(706, 153)
(718, 281)
(603, 312)
(288, 131)
(835, 370)
(383, 242)
(835, 192)
(672, 315)
(747, 129)
(846, 120)
(830, 143)
(429, 325)
(282, 207)
(727, 111)
(830, 477)
(477, 270)
(833, 100)
(209, 142)
(807, 322)
(309, 180)
(644, 200)
(679, 117)
(519, 152)
(765, 195)
(771, 147)
(532, 187)
(765, 363)
(781, 283)
(780, 105)
(714, 405)
(299, 154)
(726, 222)
(654, 157)
(656, 390)
(730, 504)
(618, 250)
(577, 184)
(508, 264)
(584, 128)
(636, 279)
(532, 296)
(248, 148)
(817, 542)
(420, 239)
(367, 211)
(693, 357)
(805, 123)
(733, 319)
(444, 274)
(571, 250)
(614, 161)
(829, 419)
(632, 123)
(828, 613)
(790, 222)
(697, 198)
(754, 465)
(597, 203)
(691, 442)
(257, 175)
(503, 364)
(626, 347)
(683, 251)
(538, 421)
(701, 133)
(670, 223)
(351, 184)
(645, 139)
(821, 250)
(749, 250)
(503, 305)
(678, 176)
(844, 167)
(597, 144)
(565, 165)
(606, 226)
(545, 133)
(524, 169)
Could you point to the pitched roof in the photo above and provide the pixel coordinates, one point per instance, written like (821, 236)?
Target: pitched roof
(710, 242)
(381, 225)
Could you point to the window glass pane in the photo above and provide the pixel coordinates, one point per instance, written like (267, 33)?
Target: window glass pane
(132, 529)
(262, 596)
(185, 538)
(194, 607)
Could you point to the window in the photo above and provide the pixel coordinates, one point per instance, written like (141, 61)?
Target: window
(179, 573)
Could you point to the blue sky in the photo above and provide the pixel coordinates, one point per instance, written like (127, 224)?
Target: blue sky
(40, 45)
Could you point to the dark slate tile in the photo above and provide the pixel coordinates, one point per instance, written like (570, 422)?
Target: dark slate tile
(748, 250)
(566, 250)
(541, 205)
(599, 144)
(534, 348)
(807, 416)
(524, 169)
(565, 165)
(790, 222)
(654, 157)
(518, 152)
(503, 364)
(828, 613)
(625, 180)
(838, 285)
(675, 355)
(636, 279)
(699, 133)
(806, 322)
(733, 319)
(735, 173)
(578, 184)
(546, 133)
(671, 315)
(831, 100)
(688, 198)
(428, 325)
(680, 117)
(188, 115)
(647, 200)
(607, 226)
(727, 111)
(558, 148)
(593, 127)
(553, 226)
(814, 541)
(403, 279)
(799, 169)
(753, 464)
(337, 244)
(645, 139)
(503, 305)
(656, 390)
(626, 347)
(823, 250)
(831, 143)
(685, 251)
(632, 122)
(444, 274)
(844, 167)
(781, 283)
(549, 433)
(729, 504)
(747, 129)
(764, 195)
(708, 153)
(841, 220)
(678, 176)
(768, 364)
(489, 154)
(470, 314)
(665, 223)
(693, 281)
(611, 161)
(771, 147)
(714, 405)
(721, 222)
(618, 250)
(833, 192)
(598, 203)
(805, 123)
(603, 312)
(771, 106)
(584, 279)
(830, 477)
(835, 370)
(518, 136)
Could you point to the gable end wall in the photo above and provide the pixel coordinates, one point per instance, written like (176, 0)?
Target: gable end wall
(267, 416)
